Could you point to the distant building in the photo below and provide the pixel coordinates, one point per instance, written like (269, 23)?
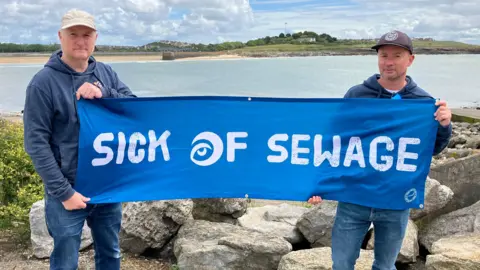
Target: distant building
(306, 39)
(423, 39)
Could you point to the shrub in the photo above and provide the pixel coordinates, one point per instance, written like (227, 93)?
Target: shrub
(20, 185)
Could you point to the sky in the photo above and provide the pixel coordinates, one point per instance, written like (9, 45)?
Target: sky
(138, 22)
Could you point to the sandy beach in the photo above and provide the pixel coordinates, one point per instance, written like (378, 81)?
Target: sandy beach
(41, 59)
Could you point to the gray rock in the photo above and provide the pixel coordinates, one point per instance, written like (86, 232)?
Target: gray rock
(42, 242)
(436, 197)
(456, 140)
(152, 224)
(320, 259)
(473, 142)
(456, 252)
(219, 210)
(460, 222)
(276, 219)
(459, 153)
(461, 176)
(316, 224)
(209, 245)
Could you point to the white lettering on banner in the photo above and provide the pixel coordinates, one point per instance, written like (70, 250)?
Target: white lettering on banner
(134, 155)
(319, 157)
(403, 154)
(354, 152)
(232, 145)
(373, 153)
(296, 149)
(277, 148)
(97, 145)
(208, 148)
(355, 144)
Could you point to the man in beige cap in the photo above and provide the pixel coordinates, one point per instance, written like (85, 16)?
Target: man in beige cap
(51, 139)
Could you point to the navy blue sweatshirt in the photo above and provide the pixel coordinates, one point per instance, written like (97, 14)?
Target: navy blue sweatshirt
(370, 88)
(51, 126)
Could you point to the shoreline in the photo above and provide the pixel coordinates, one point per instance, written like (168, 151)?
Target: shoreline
(458, 114)
(42, 59)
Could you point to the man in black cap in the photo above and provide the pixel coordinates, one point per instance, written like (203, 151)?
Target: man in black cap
(352, 222)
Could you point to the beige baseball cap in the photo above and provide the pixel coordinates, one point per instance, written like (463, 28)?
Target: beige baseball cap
(77, 17)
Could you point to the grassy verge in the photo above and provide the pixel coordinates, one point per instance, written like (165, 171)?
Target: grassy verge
(355, 46)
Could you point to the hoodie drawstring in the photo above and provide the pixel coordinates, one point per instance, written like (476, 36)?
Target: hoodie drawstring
(74, 94)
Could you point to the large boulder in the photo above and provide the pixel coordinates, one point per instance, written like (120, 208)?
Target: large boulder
(152, 224)
(42, 242)
(316, 224)
(219, 209)
(460, 222)
(320, 259)
(202, 244)
(456, 252)
(461, 176)
(436, 197)
(276, 219)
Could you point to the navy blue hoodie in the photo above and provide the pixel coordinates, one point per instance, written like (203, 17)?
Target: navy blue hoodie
(51, 126)
(372, 89)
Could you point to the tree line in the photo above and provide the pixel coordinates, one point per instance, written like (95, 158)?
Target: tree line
(306, 37)
(18, 48)
(296, 38)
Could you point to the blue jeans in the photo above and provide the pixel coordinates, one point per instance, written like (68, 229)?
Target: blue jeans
(350, 227)
(65, 227)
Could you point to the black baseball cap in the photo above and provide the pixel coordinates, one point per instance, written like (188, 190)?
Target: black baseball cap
(395, 38)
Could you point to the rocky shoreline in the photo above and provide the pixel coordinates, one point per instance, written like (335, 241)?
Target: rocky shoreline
(233, 234)
(465, 141)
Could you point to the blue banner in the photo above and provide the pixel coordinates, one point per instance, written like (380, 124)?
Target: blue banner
(373, 152)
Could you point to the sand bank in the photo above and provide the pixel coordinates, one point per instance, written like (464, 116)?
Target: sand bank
(112, 58)
(14, 117)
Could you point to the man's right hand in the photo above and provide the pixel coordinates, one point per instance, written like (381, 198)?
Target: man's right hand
(77, 201)
(315, 200)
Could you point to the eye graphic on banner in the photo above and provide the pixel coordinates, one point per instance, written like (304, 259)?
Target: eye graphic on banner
(377, 154)
(207, 147)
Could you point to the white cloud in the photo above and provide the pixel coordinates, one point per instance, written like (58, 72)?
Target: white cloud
(133, 22)
(439, 19)
(136, 22)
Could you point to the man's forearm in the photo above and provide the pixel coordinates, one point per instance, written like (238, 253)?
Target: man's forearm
(442, 139)
(46, 166)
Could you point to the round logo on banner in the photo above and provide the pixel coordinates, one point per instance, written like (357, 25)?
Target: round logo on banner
(208, 150)
(391, 36)
(410, 195)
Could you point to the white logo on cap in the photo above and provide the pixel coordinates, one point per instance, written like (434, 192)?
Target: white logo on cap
(391, 36)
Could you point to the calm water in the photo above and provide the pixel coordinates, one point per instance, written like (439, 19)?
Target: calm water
(450, 77)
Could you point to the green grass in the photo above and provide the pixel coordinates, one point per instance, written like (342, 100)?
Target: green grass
(443, 44)
(342, 46)
(302, 47)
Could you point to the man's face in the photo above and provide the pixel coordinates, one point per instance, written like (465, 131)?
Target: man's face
(78, 42)
(393, 62)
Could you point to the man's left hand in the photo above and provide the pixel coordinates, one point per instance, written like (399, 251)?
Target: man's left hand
(88, 91)
(443, 114)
